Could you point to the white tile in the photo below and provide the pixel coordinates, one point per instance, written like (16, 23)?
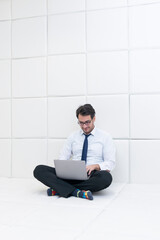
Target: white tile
(5, 119)
(4, 229)
(5, 39)
(136, 2)
(62, 119)
(29, 37)
(133, 205)
(107, 29)
(5, 158)
(29, 77)
(139, 196)
(123, 217)
(54, 148)
(100, 4)
(5, 78)
(26, 155)
(13, 212)
(114, 235)
(62, 218)
(25, 190)
(66, 75)
(28, 8)
(145, 116)
(135, 190)
(57, 6)
(144, 26)
(112, 114)
(107, 72)
(121, 171)
(5, 9)
(40, 233)
(145, 71)
(144, 157)
(66, 33)
(29, 117)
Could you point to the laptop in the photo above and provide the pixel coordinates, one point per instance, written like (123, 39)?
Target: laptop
(71, 169)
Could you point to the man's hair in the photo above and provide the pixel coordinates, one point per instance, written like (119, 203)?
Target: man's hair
(86, 110)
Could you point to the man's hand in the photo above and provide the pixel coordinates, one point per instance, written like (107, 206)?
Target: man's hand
(90, 168)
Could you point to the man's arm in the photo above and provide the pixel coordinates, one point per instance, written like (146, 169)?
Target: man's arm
(66, 151)
(109, 155)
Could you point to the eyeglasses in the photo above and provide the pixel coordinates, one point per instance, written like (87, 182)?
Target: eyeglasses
(84, 123)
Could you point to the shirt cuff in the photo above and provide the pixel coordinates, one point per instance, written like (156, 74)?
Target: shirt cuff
(107, 166)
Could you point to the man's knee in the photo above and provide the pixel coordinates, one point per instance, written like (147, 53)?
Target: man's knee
(38, 171)
(105, 178)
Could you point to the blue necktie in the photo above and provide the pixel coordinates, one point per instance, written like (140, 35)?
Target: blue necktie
(85, 148)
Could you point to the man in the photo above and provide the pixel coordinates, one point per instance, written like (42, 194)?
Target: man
(90, 144)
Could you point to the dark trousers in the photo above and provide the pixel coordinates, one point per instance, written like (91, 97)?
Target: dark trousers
(98, 180)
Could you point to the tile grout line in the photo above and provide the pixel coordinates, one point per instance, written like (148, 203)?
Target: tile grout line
(63, 138)
(86, 55)
(11, 100)
(129, 93)
(87, 10)
(80, 95)
(46, 69)
(147, 48)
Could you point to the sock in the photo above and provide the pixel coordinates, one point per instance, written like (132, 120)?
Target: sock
(51, 192)
(82, 194)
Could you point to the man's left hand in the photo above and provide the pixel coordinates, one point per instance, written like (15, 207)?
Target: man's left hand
(91, 168)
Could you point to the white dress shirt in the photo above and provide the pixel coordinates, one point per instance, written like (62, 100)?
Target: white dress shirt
(101, 149)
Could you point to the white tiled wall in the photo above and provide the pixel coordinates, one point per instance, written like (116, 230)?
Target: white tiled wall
(29, 118)
(29, 77)
(145, 71)
(5, 9)
(121, 172)
(5, 39)
(28, 8)
(29, 37)
(73, 67)
(5, 157)
(144, 23)
(112, 114)
(61, 116)
(58, 54)
(110, 70)
(66, 33)
(102, 35)
(5, 118)
(5, 78)
(145, 157)
(100, 4)
(26, 155)
(62, 6)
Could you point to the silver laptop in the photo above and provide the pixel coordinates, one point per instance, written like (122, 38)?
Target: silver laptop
(71, 169)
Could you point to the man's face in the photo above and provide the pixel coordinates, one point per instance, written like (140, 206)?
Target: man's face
(86, 123)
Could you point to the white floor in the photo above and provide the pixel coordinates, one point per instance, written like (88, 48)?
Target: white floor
(121, 212)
